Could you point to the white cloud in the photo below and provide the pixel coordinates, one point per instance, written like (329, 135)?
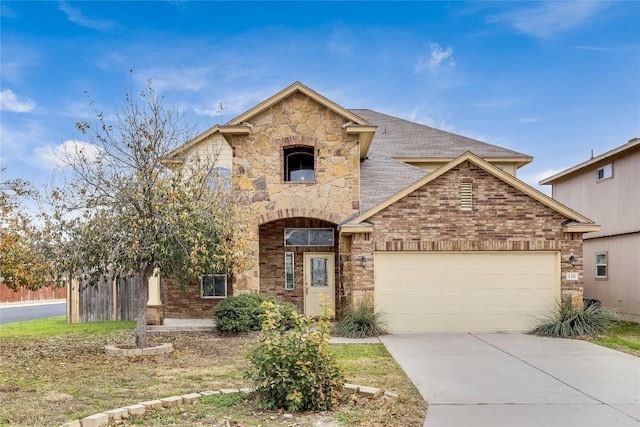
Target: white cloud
(533, 177)
(549, 18)
(190, 79)
(5, 12)
(77, 17)
(525, 120)
(9, 101)
(340, 42)
(438, 59)
(54, 157)
(233, 103)
(496, 104)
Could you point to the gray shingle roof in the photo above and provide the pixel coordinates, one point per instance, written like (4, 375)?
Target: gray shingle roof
(382, 176)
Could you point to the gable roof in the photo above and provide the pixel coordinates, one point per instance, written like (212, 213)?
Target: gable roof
(633, 144)
(577, 223)
(298, 87)
(239, 125)
(381, 176)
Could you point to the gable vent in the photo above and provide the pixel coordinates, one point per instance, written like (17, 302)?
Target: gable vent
(466, 196)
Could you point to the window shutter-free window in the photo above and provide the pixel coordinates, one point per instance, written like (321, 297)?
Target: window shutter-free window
(213, 286)
(288, 271)
(601, 265)
(604, 172)
(308, 237)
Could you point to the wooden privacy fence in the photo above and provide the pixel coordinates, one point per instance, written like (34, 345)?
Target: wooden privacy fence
(109, 300)
(45, 293)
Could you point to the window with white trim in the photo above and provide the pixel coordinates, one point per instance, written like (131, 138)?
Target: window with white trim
(308, 237)
(602, 265)
(288, 271)
(604, 172)
(213, 286)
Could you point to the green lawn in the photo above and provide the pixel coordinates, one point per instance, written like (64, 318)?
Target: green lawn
(624, 336)
(59, 325)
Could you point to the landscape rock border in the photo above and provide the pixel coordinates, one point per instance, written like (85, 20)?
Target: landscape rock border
(112, 350)
(132, 411)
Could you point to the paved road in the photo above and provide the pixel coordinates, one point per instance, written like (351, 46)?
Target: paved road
(23, 312)
(519, 380)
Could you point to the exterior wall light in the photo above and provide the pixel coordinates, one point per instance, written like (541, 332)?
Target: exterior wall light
(572, 260)
(363, 261)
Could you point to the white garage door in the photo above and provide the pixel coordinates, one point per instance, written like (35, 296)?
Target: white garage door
(465, 292)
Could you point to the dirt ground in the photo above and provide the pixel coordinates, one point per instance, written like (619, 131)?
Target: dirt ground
(50, 381)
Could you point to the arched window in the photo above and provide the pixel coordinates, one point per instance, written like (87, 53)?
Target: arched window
(299, 164)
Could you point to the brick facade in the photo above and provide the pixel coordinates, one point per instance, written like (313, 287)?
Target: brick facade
(435, 217)
(272, 251)
(185, 302)
(431, 219)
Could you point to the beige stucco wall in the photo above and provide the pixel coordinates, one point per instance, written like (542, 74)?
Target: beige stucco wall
(621, 289)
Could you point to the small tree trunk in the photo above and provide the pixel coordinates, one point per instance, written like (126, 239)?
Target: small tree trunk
(141, 305)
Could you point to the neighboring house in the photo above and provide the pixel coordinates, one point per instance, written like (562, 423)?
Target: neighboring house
(607, 189)
(433, 227)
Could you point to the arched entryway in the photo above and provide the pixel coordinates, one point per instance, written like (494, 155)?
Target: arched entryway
(298, 260)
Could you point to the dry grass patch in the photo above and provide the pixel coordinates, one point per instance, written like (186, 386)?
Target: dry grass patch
(47, 380)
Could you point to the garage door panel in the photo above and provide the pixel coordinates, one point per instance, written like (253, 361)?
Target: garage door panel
(503, 291)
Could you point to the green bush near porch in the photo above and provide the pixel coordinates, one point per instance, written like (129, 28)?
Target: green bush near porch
(244, 313)
(361, 320)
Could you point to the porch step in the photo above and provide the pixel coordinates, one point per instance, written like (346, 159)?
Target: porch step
(183, 325)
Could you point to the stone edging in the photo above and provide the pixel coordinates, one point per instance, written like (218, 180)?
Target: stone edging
(138, 410)
(112, 350)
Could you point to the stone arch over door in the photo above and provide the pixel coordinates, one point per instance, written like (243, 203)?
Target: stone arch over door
(298, 213)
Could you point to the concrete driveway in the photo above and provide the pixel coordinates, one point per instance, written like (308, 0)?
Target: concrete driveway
(519, 380)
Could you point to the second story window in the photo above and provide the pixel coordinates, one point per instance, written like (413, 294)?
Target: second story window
(604, 172)
(299, 164)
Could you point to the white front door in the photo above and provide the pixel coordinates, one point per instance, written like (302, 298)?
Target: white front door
(319, 279)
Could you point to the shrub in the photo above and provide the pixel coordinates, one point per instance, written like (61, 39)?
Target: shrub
(294, 369)
(243, 313)
(361, 320)
(568, 320)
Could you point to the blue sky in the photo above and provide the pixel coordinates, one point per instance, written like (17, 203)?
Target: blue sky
(554, 80)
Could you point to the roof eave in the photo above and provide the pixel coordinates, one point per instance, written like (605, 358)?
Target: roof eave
(616, 152)
(298, 87)
(581, 228)
(504, 176)
(348, 229)
(366, 133)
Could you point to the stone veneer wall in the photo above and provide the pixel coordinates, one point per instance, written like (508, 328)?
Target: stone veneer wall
(272, 251)
(258, 169)
(502, 219)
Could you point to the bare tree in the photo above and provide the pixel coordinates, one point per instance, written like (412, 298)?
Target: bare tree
(123, 211)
